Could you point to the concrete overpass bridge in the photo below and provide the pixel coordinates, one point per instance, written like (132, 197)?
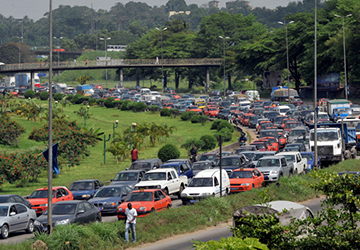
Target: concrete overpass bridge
(114, 64)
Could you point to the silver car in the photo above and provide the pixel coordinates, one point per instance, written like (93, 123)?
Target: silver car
(16, 217)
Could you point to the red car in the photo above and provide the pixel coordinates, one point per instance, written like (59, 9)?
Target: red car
(194, 108)
(245, 179)
(145, 201)
(297, 102)
(39, 198)
(211, 111)
(273, 143)
(260, 145)
(281, 139)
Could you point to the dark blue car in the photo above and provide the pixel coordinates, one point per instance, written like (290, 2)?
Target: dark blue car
(85, 189)
(310, 161)
(181, 167)
(108, 198)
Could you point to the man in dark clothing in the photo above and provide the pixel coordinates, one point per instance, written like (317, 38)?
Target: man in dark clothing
(193, 154)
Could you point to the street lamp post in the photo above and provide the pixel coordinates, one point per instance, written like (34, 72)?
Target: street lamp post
(106, 140)
(132, 129)
(162, 66)
(224, 60)
(20, 37)
(115, 125)
(58, 55)
(106, 73)
(86, 113)
(345, 71)
(315, 89)
(287, 57)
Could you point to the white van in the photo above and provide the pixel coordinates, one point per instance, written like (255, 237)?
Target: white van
(252, 95)
(145, 91)
(206, 184)
(282, 109)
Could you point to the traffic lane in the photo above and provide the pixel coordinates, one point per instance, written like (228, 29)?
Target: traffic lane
(17, 237)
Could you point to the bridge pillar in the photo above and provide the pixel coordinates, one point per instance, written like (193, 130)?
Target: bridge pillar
(207, 81)
(121, 78)
(32, 81)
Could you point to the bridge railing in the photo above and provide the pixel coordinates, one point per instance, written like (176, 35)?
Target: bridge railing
(114, 62)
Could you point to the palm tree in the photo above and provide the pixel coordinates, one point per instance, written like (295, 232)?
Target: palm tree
(31, 110)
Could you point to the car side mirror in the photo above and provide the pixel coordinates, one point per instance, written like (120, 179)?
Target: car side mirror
(81, 211)
(12, 213)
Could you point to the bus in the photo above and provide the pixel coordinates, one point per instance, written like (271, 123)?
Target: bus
(116, 48)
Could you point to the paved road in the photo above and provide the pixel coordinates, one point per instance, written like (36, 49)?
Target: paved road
(184, 243)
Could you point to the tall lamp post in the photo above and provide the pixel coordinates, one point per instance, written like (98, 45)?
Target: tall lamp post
(132, 129)
(106, 74)
(345, 71)
(224, 60)
(58, 55)
(20, 37)
(86, 113)
(162, 66)
(287, 57)
(315, 88)
(115, 125)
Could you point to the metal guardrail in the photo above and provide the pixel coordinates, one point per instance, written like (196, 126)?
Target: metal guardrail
(113, 63)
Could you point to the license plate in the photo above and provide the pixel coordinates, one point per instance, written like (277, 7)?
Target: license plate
(233, 188)
(101, 208)
(266, 177)
(193, 201)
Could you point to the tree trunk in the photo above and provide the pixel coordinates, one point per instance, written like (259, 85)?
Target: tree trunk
(137, 80)
(229, 81)
(295, 74)
(177, 79)
(165, 79)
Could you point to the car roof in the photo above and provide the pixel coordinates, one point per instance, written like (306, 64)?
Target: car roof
(69, 202)
(89, 180)
(11, 203)
(132, 170)
(287, 153)
(161, 170)
(46, 188)
(207, 173)
(243, 169)
(272, 157)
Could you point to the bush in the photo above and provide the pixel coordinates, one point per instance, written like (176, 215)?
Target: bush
(225, 124)
(153, 108)
(58, 96)
(109, 102)
(84, 100)
(92, 101)
(168, 152)
(225, 133)
(139, 106)
(44, 95)
(195, 119)
(174, 112)
(29, 93)
(76, 99)
(203, 119)
(190, 142)
(153, 88)
(69, 97)
(127, 105)
(165, 112)
(117, 104)
(186, 116)
(10, 131)
(215, 124)
(209, 142)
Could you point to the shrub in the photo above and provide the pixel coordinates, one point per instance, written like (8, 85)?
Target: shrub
(153, 88)
(186, 116)
(117, 104)
(76, 99)
(58, 96)
(215, 124)
(153, 108)
(195, 119)
(225, 124)
(190, 142)
(139, 106)
(92, 101)
(10, 131)
(165, 112)
(126, 105)
(225, 133)
(168, 152)
(44, 95)
(69, 97)
(209, 142)
(174, 112)
(109, 102)
(29, 93)
(84, 99)
(203, 119)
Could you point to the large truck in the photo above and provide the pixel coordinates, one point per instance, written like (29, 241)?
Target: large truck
(335, 142)
(338, 108)
(85, 90)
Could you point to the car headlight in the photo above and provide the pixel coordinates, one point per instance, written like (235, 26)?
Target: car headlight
(120, 209)
(62, 222)
(142, 209)
(245, 184)
(43, 205)
(86, 196)
(158, 186)
(183, 194)
(309, 166)
(112, 204)
(274, 172)
(206, 194)
(37, 223)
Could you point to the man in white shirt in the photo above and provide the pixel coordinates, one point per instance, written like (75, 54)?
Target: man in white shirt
(130, 222)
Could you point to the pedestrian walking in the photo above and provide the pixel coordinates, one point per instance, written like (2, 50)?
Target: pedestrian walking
(134, 154)
(157, 60)
(131, 214)
(86, 62)
(4, 93)
(74, 62)
(40, 63)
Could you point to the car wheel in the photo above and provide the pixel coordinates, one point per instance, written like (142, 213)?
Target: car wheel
(30, 227)
(295, 172)
(166, 191)
(4, 231)
(253, 186)
(152, 210)
(180, 191)
(168, 206)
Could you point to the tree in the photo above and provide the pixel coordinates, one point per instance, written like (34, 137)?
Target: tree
(82, 79)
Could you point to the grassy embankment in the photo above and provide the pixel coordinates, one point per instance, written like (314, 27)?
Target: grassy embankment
(93, 166)
(185, 219)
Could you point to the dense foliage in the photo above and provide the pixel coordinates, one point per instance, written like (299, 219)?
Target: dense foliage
(10, 130)
(168, 152)
(165, 112)
(209, 142)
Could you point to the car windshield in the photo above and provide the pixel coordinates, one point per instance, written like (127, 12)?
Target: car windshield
(140, 196)
(63, 209)
(82, 185)
(208, 157)
(268, 163)
(268, 134)
(3, 199)
(194, 107)
(140, 165)
(324, 136)
(230, 161)
(283, 110)
(292, 125)
(279, 119)
(154, 177)
(126, 176)
(297, 132)
(201, 165)
(249, 155)
(240, 174)
(308, 157)
(342, 111)
(41, 194)
(201, 182)
(323, 116)
(3, 211)
(108, 192)
(290, 158)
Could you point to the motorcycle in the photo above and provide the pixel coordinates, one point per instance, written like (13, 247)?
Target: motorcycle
(193, 158)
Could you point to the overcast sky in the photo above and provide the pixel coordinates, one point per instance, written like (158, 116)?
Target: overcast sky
(35, 9)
